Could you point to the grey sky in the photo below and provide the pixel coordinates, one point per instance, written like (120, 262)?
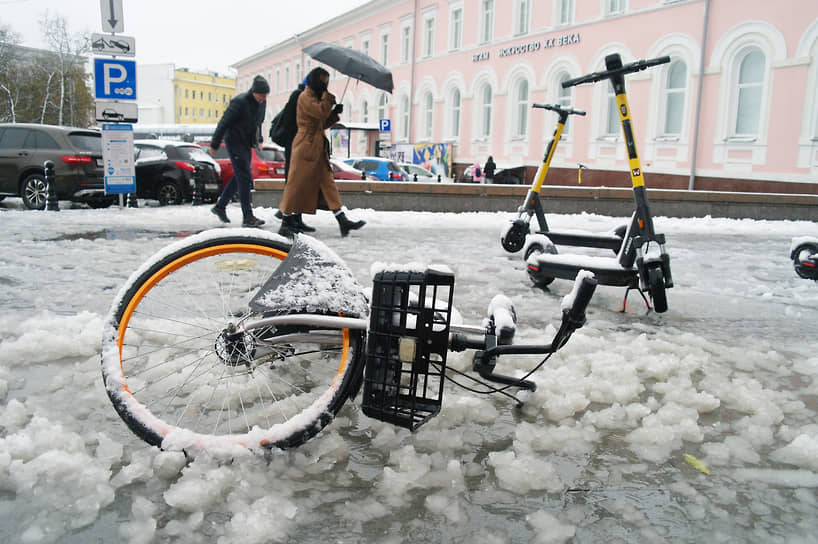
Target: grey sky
(197, 34)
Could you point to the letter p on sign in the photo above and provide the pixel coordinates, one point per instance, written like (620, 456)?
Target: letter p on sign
(115, 78)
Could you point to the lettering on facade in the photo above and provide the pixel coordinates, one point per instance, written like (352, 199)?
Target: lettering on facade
(547, 43)
(480, 56)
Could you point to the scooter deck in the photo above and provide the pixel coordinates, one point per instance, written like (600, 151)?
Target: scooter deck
(583, 239)
(606, 270)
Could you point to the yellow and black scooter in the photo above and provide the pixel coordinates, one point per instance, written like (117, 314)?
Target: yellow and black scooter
(632, 267)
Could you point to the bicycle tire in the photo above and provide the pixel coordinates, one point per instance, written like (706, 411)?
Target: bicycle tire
(178, 383)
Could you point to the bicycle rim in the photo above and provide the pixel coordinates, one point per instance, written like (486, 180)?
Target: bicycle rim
(181, 382)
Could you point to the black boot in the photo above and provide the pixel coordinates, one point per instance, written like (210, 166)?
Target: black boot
(289, 226)
(221, 213)
(347, 225)
(303, 227)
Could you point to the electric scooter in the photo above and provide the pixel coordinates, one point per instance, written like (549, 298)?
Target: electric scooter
(632, 267)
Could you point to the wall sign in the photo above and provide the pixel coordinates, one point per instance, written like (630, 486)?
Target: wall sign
(530, 47)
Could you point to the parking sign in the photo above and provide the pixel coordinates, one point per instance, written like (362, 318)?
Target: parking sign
(115, 78)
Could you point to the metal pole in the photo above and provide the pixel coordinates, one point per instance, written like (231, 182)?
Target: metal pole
(691, 184)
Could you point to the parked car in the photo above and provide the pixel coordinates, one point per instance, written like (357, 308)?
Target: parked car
(341, 170)
(380, 168)
(267, 163)
(77, 156)
(165, 171)
(417, 172)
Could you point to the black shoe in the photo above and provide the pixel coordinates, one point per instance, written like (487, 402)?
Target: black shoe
(279, 215)
(221, 213)
(303, 227)
(346, 225)
(289, 226)
(252, 221)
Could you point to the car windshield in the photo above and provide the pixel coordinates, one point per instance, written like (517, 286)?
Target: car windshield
(394, 167)
(86, 141)
(267, 154)
(194, 153)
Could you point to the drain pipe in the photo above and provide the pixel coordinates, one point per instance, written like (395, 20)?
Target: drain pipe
(692, 183)
(412, 73)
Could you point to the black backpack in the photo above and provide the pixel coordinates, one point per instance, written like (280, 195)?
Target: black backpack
(283, 126)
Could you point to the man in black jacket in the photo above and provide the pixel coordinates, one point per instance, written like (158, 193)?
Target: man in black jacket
(240, 127)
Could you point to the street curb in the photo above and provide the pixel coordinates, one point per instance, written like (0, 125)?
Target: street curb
(464, 197)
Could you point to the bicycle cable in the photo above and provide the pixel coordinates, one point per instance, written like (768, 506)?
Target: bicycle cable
(491, 388)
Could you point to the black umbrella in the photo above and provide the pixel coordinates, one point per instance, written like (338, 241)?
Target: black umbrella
(353, 64)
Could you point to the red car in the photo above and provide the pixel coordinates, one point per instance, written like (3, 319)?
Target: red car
(268, 163)
(341, 170)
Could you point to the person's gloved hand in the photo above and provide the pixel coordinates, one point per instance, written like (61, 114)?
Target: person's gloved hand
(339, 109)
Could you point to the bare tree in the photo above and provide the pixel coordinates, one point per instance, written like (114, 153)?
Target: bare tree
(69, 50)
(8, 74)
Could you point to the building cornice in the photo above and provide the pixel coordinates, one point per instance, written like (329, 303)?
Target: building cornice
(317, 32)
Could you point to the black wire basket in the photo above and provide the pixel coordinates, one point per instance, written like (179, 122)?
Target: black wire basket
(407, 344)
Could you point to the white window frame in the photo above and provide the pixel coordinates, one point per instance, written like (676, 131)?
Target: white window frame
(735, 94)
(565, 10)
(522, 17)
(486, 108)
(404, 117)
(455, 112)
(428, 35)
(405, 41)
(383, 106)
(666, 94)
(366, 41)
(613, 7)
(428, 115)
(455, 26)
(384, 49)
(278, 79)
(521, 110)
(486, 21)
(565, 98)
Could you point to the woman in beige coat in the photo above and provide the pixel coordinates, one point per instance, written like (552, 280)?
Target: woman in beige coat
(310, 173)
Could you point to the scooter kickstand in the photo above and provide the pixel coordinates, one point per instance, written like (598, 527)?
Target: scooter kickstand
(625, 299)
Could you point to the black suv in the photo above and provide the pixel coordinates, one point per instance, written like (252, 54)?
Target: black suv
(77, 156)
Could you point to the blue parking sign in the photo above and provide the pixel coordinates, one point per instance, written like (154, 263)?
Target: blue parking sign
(115, 78)
(385, 125)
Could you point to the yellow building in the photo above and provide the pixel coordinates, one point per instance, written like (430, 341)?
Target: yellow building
(201, 97)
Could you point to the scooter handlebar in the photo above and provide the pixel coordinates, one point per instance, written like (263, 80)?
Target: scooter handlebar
(558, 109)
(636, 66)
(575, 303)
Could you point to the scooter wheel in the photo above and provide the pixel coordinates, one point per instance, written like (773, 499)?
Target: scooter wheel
(535, 248)
(656, 287)
(513, 237)
(803, 263)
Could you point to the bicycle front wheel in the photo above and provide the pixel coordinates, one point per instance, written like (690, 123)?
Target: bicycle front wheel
(184, 375)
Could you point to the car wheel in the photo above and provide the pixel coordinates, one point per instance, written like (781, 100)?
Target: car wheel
(34, 191)
(168, 193)
(97, 203)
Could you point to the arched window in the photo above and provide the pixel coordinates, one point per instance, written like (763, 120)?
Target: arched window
(612, 117)
(383, 102)
(749, 91)
(404, 118)
(365, 112)
(454, 114)
(675, 92)
(565, 98)
(428, 110)
(485, 110)
(521, 110)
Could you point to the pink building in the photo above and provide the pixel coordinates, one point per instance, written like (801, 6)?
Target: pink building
(736, 109)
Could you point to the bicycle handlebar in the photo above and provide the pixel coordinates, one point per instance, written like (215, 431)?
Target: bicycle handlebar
(636, 66)
(559, 109)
